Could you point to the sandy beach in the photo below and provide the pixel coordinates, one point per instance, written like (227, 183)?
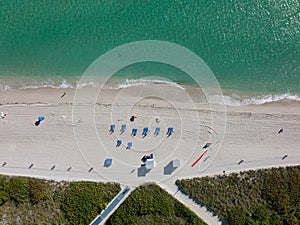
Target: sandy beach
(73, 142)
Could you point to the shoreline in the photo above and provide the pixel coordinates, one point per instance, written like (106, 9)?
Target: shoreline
(229, 99)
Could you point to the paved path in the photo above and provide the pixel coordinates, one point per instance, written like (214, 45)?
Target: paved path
(200, 210)
(112, 207)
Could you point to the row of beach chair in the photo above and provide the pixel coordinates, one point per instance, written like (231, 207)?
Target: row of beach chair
(145, 130)
(119, 143)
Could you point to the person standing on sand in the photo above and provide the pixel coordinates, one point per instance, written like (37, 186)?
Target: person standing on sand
(3, 115)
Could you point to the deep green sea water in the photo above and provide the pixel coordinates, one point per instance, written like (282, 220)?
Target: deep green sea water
(251, 46)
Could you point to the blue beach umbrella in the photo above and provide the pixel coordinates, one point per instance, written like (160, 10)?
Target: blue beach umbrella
(41, 118)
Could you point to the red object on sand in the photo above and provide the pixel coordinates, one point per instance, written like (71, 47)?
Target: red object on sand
(200, 157)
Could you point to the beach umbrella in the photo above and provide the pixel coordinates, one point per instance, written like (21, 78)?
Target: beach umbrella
(41, 118)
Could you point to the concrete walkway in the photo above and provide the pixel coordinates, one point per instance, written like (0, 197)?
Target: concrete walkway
(112, 207)
(203, 212)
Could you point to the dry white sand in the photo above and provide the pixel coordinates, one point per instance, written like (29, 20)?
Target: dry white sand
(76, 137)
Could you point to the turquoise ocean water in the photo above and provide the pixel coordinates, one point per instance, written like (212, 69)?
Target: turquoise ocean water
(253, 47)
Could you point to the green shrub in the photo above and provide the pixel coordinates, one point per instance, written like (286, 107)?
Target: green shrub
(83, 201)
(236, 216)
(149, 204)
(39, 190)
(268, 196)
(4, 183)
(36, 201)
(4, 196)
(19, 190)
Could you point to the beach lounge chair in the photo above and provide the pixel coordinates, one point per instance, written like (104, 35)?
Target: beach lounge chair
(134, 132)
(129, 145)
(145, 131)
(170, 131)
(123, 128)
(119, 142)
(157, 130)
(112, 128)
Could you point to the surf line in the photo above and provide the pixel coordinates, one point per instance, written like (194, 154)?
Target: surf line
(200, 157)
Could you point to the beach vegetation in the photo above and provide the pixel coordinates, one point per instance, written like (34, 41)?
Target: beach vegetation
(266, 196)
(37, 201)
(4, 196)
(18, 190)
(150, 204)
(82, 201)
(38, 190)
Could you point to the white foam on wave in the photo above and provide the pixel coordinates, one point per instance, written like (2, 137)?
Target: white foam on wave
(245, 100)
(64, 84)
(5, 87)
(142, 82)
(233, 100)
(47, 84)
(88, 84)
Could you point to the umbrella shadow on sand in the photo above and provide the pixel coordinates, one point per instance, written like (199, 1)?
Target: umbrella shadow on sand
(169, 169)
(142, 171)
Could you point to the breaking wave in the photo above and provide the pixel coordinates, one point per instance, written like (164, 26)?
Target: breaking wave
(229, 100)
(245, 100)
(142, 82)
(65, 85)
